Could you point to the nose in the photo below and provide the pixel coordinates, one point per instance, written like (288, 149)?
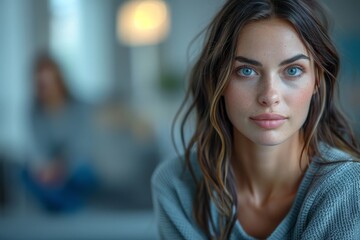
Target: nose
(269, 93)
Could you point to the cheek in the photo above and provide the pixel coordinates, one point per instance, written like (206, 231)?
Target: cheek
(236, 95)
(238, 102)
(300, 101)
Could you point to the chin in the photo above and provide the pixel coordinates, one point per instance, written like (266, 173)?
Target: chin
(268, 143)
(266, 138)
(269, 140)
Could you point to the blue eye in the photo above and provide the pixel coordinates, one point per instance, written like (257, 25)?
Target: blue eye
(246, 72)
(294, 71)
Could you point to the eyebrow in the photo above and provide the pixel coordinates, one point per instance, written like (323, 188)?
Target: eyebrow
(287, 61)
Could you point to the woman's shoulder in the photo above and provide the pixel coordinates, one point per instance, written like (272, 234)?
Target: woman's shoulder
(337, 170)
(340, 175)
(173, 192)
(167, 171)
(174, 175)
(331, 207)
(339, 161)
(330, 154)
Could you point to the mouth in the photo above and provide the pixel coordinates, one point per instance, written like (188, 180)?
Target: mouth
(269, 120)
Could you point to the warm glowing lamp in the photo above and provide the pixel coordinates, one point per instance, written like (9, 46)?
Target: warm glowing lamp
(143, 22)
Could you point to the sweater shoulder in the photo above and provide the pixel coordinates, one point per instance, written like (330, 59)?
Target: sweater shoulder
(173, 174)
(341, 175)
(331, 208)
(337, 171)
(167, 170)
(337, 165)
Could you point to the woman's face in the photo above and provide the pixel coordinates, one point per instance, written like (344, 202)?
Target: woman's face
(268, 96)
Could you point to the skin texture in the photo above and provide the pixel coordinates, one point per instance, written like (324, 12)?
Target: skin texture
(279, 79)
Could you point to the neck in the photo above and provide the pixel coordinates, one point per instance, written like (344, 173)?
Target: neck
(266, 171)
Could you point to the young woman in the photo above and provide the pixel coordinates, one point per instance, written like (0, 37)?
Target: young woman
(272, 156)
(59, 172)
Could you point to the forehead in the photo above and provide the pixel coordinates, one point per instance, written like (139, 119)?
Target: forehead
(273, 37)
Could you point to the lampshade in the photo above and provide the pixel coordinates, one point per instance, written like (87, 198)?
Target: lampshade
(143, 22)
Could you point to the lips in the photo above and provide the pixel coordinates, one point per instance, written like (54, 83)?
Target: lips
(269, 120)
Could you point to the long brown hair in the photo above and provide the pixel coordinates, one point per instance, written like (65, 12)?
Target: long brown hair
(212, 137)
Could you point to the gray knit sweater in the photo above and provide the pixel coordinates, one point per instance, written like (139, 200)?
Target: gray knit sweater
(327, 204)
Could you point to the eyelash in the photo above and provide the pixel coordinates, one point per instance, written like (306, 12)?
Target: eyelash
(297, 67)
(238, 69)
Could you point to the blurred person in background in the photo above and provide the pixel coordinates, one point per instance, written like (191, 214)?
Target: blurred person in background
(60, 172)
